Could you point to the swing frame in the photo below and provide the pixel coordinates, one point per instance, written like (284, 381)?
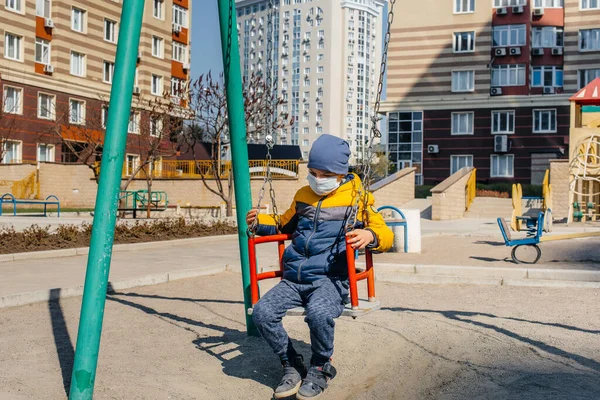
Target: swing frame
(354, 309)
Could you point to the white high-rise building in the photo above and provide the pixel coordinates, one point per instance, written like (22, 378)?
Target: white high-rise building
(326, 57)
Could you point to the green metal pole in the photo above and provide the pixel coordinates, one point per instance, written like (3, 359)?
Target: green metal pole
(239, 147)
(103, 229)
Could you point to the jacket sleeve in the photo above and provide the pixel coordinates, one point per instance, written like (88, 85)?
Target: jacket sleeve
(267, 224)
(384, 237)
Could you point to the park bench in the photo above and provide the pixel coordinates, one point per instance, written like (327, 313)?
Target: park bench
(10, 199)
(139, 200)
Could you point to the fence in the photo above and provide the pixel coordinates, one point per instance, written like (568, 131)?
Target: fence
(190, 169)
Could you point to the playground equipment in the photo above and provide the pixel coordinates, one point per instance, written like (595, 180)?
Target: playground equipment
(10, 199)
(98, 267)
(139, 200)
(517, 203)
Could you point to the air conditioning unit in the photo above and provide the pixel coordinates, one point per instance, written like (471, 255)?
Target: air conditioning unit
(495, 91)
(48, 23)
(538, 52)
(136, 90)
(515, 51)
(48, 68)
(186, 66)
(548, 90)
(518, 10)
(501, 11)
(433, 149)
(501, 143)
(176, 28)
(538, 11)
(499, 52)
(557, 51)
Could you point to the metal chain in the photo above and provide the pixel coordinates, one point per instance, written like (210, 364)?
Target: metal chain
(261, 194)
(270, 81)
(375, 132)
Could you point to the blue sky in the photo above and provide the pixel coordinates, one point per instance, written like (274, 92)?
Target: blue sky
(206, 42)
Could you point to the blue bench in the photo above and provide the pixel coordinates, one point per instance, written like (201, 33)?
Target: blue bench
(10, 199)
(397, 222)
(534, 235)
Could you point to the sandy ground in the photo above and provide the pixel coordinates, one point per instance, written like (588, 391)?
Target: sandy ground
(186, 340)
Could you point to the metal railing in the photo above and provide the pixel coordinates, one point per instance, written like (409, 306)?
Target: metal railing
(190, 169)
(471, 189)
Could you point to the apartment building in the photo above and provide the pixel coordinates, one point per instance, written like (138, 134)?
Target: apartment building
(58, 57)
(485, 83)
(326, 60)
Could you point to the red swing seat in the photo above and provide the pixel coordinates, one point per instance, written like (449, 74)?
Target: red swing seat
(354, 309)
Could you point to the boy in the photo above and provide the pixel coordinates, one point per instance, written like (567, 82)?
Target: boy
(315, 271)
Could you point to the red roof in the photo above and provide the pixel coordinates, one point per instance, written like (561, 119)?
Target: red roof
(589, 94)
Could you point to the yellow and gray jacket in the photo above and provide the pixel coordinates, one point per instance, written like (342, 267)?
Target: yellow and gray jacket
(318, 225)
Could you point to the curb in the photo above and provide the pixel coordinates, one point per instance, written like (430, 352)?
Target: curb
(80, 251)
(21, 299)
(441, 274)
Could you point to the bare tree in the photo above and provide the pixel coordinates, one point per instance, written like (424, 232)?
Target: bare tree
(210, 125)
(9, 126)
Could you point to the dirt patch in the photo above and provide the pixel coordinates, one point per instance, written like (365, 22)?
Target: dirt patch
(186, 340)
(37, 238)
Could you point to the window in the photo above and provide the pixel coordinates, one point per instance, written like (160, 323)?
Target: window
(320, 69)
(320, 81)
(42, 51)
(158, 9)
(589, 39)
(307, 70)
(131, 163)
(320, 57)
(110, 28)
(180, 16)
(590, 4)
(108, 72)
(462, 123)
(464, 42)
(502, 166)
(13, 46)
(77, 19)
(305, 130)
(76, 111)
(509, 35)
(11, 152)
(45, 106)
(587, 75)
(463, 81)
(14, 5)
(549, 3)
(157, 85)
(508, 75)
(179, 52)
(42, 8)
(134, 123)
(544, 121)
(319, 129)
(548, 36)
(156, 126)
(157, 47)
(509, 3)
(305, 142)
(503, 122)
(547, 76)
(459, 162)
(464, 6)
(103, 116)
(77, 64)
(45, 152)
(13, 100)
(177, 86)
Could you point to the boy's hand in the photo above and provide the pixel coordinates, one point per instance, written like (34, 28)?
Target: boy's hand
(360, 238)
(251, 216)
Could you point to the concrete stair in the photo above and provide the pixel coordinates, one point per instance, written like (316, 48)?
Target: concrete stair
(424, 205)
(490, 207)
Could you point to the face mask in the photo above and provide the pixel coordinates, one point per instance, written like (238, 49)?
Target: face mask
(323, 186)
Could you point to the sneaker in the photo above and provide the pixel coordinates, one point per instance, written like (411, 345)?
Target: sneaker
(292, 378)
(316, 381)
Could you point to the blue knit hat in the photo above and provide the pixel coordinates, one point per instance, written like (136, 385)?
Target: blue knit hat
(329, 153)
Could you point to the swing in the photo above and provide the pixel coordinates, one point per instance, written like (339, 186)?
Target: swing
(356, 307)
